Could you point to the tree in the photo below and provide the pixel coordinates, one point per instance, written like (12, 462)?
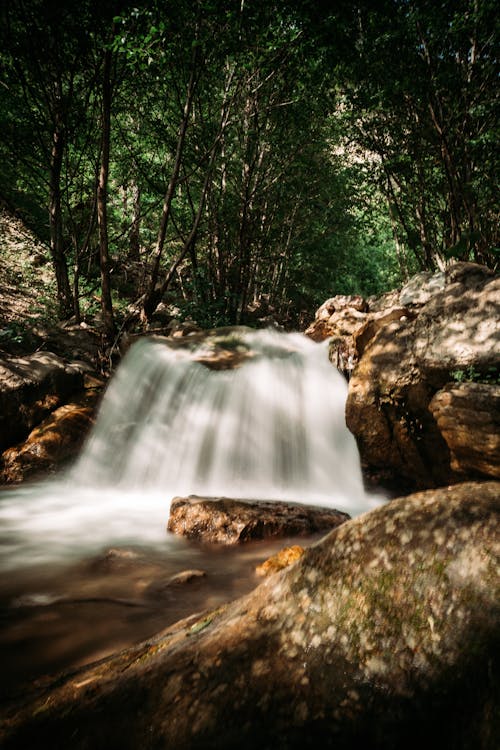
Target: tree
(429, 124)
(102, 197)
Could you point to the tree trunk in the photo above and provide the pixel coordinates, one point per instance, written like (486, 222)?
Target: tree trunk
(64, 296)
(135, 233)
(102, 200)
(153, 295)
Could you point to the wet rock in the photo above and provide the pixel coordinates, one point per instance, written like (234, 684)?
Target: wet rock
(384, 635)
(406, 362)
(468, 417)
(57, 439)
(186, 576)
(280, 560)
(227, 521)
(162, 588)
(30, 388)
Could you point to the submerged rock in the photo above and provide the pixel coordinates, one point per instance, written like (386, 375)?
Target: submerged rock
(226, 521)
(384, 635)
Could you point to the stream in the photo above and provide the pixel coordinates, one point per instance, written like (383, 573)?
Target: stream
(86, 559)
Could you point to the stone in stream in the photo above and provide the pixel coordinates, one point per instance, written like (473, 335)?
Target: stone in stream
(280, 560)
(384, 635)
(227, 521)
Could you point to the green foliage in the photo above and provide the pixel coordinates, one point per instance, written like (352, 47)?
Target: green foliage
(305, 171)
(490, 376)
(12, 333)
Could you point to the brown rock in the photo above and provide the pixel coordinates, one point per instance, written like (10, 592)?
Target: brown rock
(468, 417)
(341, 302)
(280, 560)
(350, 328)
(372, 325)
(186, 576)
(407, 361)
(382, 636)
(226, 521)
(58, 438)
(30, 388)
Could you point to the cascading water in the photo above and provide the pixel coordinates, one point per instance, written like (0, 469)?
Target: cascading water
(272, 427)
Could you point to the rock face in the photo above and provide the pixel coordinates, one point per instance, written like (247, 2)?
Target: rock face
(58, 438)
(468, 417)
(350, 324)
(30, 388)
(226, 521)
(384, 635)
(404, 364)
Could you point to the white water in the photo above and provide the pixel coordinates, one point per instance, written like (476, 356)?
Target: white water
(272, 428)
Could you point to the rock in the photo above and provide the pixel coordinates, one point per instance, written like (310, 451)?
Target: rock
(160, 588)
(346, 322)
(226, 521)
(340, 302)
(421, 287)
(30, 388)
(468, 417)
(178, 329)
(383, 301)
(116, 559)
(384, 635)
(363, 334)
(405, 363)
(186, 576)
(341, 322)
(280, 560)
(57, 439)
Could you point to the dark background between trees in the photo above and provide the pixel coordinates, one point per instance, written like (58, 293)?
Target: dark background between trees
(210, 154)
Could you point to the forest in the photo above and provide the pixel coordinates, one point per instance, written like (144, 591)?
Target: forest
(212, 167)
(209, 156)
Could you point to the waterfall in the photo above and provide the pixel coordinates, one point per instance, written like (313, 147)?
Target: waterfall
(177, 421)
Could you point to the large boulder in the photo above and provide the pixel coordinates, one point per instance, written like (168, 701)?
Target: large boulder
(384, 635)
(30, 388)
(404, 364)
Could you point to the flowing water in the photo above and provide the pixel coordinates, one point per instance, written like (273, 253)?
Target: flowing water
(244, 414)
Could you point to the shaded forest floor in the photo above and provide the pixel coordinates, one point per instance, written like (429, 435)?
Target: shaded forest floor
(26, 286)
(28, 301)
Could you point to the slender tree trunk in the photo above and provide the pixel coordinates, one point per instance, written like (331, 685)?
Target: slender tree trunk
(102, 204)
(64, 296)
(135, 229)
(156, 292)
(153, 295)
(189, 243)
